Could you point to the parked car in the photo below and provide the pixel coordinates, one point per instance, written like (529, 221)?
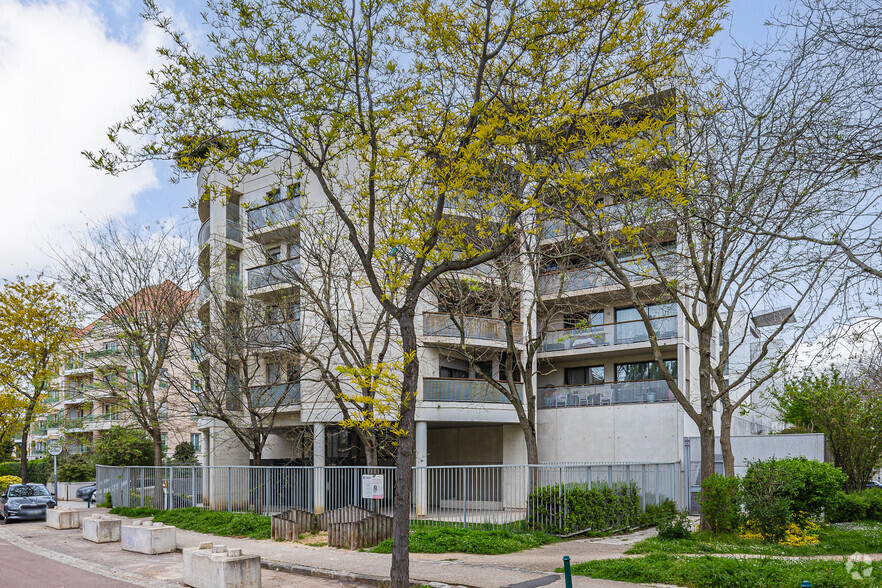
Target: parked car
(25, 502)
(85, 492)
(872, 484)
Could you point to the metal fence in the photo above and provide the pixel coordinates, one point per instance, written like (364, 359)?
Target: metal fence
(459, 495)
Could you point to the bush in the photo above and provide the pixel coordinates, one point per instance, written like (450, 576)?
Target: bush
(576, 507)
(226, 524)
(122, 446)
(431, 539)
(860, 506)
(675, 527)
(778, 492)
(39, 470)
(655, 513)
(7, 481)
(720, 503)
(76, 468)
(108, 501)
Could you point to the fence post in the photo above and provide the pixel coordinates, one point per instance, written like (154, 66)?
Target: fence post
(229, 489)
(464, 475)
(193, 486)
(643, 487)
(609, 476)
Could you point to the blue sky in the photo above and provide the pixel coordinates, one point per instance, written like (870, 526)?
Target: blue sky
(70, 68)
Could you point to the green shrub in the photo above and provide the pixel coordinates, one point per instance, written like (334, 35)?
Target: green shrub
(720, 503)
(675, 527)
(108, 501)
(859, 506)
(226, 524)
(439, 539)
(569, 508)
(76, 468)
(655, 513)
(123, 446)
(39, 470)
(778, 492)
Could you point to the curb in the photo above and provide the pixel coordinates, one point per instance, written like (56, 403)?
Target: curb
(380, 582)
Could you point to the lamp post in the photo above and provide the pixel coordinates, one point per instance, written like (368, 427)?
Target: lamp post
(54, 451)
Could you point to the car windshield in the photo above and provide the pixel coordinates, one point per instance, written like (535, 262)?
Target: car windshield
(23, 491)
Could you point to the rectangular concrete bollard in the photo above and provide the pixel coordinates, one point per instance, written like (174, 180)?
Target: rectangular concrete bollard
(101, 528)
(63, 518)
(215, 566)
(149, 538)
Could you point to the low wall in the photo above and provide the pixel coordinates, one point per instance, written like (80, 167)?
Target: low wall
(67, 490)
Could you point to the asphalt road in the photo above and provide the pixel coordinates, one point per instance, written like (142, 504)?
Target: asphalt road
(27, 570)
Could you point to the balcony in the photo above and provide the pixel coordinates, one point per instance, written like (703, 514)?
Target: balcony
(442, 326)
(274, 335)
(587, 278)
(285, 394)
(608, 335)
(273, 274)
(273, 215)
(204, 233)
(74, 424)
(639, 392)
(98, 422)
(41, 431)
(457, 390)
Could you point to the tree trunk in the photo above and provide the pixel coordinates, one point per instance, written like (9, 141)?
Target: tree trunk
(23, 449)
(726, 441)
(706, 426)
(707, 457)
(400, 570)
(157, 476)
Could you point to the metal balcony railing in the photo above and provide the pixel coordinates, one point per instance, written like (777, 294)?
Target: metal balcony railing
(595, 277)
(278, 334)
(460, 390)
(436, 324)
(621, 333)
(204, 233)
(638, 392)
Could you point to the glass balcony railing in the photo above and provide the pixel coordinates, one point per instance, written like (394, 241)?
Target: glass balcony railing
(269, 335)
(639, 392)
(622, 333)
(272, 274)
(436, 324)
(234, 230)
(458, 390)
(204, 233)
(596, 277)
(275, 214)
(284, 394)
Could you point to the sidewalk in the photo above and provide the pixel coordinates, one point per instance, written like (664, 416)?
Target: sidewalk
(528, 569)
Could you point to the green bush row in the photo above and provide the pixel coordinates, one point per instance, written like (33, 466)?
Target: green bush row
(569, 508)
(859, 506)
(39, 470)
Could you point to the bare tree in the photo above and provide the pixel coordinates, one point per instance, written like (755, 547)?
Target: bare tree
(136, 283)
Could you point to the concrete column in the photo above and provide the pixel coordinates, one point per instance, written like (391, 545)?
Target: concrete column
(421, 475)
(318, 462)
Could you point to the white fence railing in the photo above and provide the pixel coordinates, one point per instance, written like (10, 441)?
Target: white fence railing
(460, 495)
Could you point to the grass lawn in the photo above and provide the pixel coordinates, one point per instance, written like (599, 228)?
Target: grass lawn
(717, 572)
(838, 539)
(225, 524)
(427, 539)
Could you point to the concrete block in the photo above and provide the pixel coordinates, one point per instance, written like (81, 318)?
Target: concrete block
(215, 566)
(101, 528)
(149, 538)
(63, 518)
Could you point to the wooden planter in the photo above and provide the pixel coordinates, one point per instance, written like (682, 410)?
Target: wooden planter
(352, 527)
(288, 525)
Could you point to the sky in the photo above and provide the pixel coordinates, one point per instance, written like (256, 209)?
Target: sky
(71, 68)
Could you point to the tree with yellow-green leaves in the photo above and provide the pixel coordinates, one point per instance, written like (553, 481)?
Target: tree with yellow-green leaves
(397, 113)
(37, 327)
(12, 413)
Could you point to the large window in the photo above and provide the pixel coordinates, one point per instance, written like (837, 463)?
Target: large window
(644, 370)
(580, 376)
(583, 320)
(449, 372)
(195, 440)
(653, 310)
(631, 329)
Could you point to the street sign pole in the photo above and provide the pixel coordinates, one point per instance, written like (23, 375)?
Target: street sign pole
(54, 451)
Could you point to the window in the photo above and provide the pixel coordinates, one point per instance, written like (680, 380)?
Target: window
(196, 441)
(516, 372)
(293, 372)
(194, 351)
(162, 437)
(273, 373)
(162, 346)
(653, 310)
(110, 346)
(163, 378)
(579, 376)
(195, 385)
(449, 372)
(274, 254)
(644, 370)
(583, 320)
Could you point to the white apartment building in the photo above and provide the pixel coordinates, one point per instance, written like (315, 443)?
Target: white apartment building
(600, 397)
(81, 405)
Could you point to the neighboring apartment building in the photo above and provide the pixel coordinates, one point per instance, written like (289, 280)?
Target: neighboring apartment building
(81, 405)
(600, 398)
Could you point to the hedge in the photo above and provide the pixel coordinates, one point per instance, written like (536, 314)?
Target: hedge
(39, 470)
(859, 506)
(570, 508)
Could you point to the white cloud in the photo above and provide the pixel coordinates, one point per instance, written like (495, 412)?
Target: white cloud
(63, 81)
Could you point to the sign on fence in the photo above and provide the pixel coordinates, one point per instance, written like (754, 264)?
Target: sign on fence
(372, 487)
